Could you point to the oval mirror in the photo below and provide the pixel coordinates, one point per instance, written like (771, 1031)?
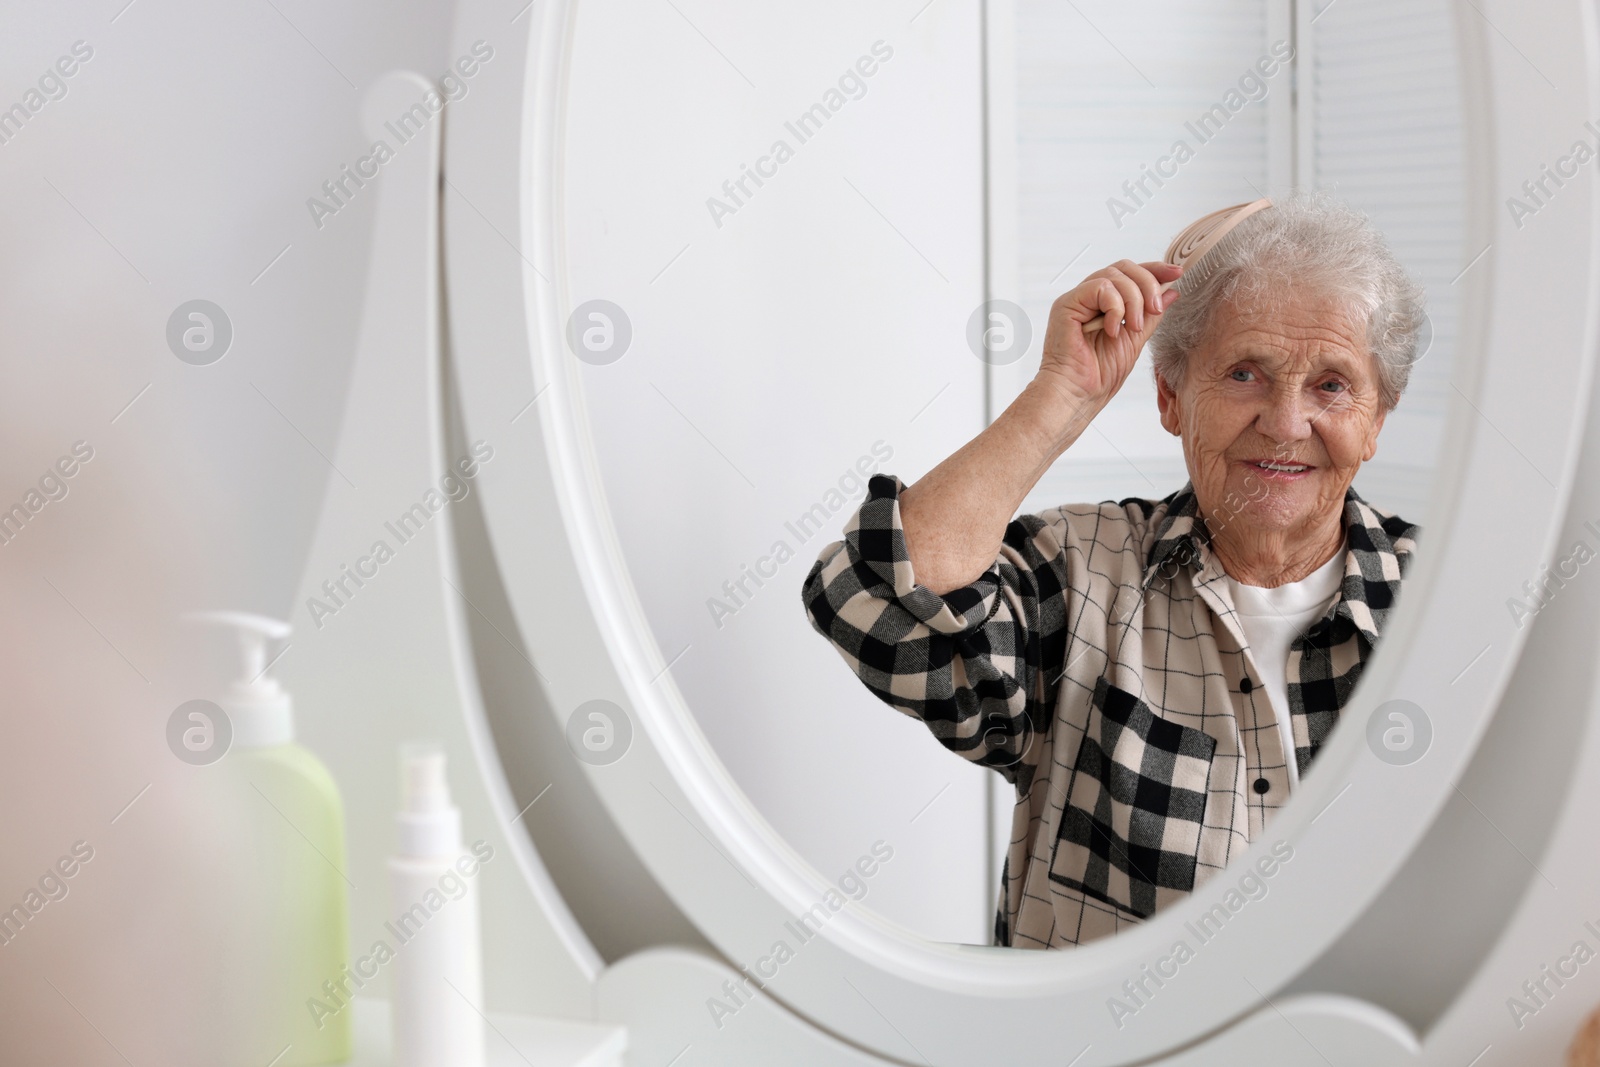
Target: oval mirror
(747, 292)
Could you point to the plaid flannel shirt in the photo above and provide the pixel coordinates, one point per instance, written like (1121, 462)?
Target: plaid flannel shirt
(1100, 667)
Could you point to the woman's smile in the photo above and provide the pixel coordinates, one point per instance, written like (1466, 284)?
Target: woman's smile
(1277, 471)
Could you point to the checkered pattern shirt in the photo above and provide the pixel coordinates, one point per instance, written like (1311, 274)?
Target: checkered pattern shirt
(1099, 666)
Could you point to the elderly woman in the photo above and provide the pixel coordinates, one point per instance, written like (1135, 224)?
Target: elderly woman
(1153, 676)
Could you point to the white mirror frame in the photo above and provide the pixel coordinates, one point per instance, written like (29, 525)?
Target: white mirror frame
(1521, 384)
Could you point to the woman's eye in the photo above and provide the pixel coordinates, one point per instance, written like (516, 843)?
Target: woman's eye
(1333, 386)
(1240, 374)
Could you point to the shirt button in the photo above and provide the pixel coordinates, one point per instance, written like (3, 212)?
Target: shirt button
(1245, 685)
(1262, 785)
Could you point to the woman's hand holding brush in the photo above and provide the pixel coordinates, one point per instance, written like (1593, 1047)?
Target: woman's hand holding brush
(1091, 364)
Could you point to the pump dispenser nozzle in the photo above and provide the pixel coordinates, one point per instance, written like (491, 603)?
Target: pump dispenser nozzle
(259, 710)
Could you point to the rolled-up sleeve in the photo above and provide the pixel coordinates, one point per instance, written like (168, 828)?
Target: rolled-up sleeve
(967, 662)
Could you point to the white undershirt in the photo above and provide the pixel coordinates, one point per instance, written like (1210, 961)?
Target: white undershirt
(1272, 619)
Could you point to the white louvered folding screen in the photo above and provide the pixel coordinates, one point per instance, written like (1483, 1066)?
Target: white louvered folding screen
(1386, 136)
(1099, 94)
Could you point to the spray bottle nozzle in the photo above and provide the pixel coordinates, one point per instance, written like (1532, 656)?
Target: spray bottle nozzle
(422, 779)
(429, 824)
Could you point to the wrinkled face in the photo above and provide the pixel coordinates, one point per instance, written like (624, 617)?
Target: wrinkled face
(1277, 412)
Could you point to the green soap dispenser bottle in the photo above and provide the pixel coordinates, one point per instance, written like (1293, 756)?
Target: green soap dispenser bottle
(297, 913)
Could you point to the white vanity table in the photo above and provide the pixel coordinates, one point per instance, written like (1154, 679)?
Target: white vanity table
(512, 1040)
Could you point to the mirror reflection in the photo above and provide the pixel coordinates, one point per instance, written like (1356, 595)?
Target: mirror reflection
(864, 458)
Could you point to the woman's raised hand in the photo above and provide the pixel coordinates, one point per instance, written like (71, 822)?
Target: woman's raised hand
(955, 517)
(1092, 367)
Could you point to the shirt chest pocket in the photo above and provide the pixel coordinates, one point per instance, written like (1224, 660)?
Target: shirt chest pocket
(1130, 828)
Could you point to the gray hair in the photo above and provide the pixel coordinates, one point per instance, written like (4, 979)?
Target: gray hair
(1308, 242)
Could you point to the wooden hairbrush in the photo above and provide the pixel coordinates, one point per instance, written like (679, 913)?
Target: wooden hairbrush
(1189, 248)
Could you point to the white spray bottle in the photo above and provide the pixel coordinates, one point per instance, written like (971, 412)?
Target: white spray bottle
(437, 971)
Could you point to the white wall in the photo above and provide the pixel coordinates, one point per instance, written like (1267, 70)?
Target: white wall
(176, 166)
(769, 354)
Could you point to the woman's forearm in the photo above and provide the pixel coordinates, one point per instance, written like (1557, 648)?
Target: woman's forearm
(955, 516)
